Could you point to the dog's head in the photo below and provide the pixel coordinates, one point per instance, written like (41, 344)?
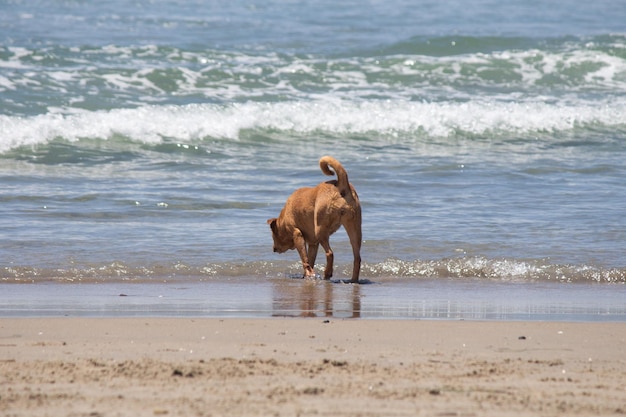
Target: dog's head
(280, 244)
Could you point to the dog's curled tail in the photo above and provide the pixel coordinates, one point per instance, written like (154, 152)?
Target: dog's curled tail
(327, 162)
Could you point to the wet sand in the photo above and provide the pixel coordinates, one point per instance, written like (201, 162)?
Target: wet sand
(306, 367)
(251, 297)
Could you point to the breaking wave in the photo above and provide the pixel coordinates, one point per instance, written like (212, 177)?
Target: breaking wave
(373, 119)
(506, 270)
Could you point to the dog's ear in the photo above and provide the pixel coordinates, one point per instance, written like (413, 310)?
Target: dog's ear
(272, 223)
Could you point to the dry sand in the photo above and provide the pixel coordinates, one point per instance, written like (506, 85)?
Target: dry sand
(307, 367)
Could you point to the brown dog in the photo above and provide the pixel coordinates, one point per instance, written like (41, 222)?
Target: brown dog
(311, 215)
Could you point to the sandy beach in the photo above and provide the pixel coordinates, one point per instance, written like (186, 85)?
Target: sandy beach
(306, 367)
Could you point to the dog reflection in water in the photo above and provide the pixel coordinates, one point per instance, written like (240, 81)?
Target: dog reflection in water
(306, 298)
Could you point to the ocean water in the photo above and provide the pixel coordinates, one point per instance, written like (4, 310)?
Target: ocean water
(144, 144)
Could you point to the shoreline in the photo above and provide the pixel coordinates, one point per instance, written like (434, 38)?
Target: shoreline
(298, 366)
(250, 297)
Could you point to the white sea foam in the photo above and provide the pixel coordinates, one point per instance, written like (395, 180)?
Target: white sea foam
(5, 83)
(127, 70)
(153, 124)
(15, 60)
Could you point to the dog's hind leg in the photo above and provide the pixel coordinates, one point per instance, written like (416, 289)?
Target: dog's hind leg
(353, 228)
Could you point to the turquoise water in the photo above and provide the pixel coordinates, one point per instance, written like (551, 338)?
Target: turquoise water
(149, 142)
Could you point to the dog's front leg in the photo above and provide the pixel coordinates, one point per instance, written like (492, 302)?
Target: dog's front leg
(312, 254)
(330, 258)
(300, 245)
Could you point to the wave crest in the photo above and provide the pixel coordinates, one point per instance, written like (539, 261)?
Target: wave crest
(194, 123)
